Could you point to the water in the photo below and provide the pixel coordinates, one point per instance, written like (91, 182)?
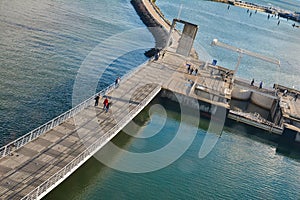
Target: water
(44, 44)
(238, 167)
(255, 33)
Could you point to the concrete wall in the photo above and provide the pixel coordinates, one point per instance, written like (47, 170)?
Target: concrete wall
(240, 94)
(187, 39)
(253, 108)
(262, 101)
(188, 101)
(297, 139)
(288, 136)
(296, 124)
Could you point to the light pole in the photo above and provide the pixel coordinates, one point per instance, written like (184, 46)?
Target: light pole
(215, 42)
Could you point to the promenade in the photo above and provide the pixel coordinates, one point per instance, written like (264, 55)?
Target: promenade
(38, 166)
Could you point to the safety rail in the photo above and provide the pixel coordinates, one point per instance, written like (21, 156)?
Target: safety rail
(21, 141)
(62, 174)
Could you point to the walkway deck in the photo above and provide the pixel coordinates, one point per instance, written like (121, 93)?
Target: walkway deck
(41, 164)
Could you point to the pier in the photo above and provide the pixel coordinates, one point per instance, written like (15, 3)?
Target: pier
(295, 16)
(33, 165)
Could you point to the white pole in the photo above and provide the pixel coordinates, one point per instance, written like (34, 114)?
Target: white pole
(179, 12)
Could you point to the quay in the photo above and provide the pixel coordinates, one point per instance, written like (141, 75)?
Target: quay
(33, 165)
(295, 16)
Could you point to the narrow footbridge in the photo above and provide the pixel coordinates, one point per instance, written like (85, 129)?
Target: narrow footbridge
(31, 166)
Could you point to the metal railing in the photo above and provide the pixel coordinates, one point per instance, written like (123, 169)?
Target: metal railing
(62, 174)
(21, 141)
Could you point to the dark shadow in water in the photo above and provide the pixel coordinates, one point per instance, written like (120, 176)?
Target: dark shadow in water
(79, 181)
(265, 137)
(93, 170)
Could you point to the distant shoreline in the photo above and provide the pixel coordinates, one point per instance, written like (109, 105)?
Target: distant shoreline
(289, 15)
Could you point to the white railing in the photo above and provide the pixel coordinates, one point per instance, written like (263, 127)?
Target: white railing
(21, 141)
(62, 174)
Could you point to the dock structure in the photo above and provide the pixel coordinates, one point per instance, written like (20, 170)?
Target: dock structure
(290, 109)
(35, 168)
(33, 165)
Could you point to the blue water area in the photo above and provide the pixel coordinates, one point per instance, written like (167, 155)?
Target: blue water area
(256, 33)
(50, 50)
(238, 167)
(43, 45)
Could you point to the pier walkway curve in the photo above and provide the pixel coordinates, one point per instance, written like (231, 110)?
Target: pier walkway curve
(31, 166)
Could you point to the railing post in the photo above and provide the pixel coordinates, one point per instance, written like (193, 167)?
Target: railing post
(4, 151)
(30, 136)
(37, 192)
(22, 141)
(52, 122)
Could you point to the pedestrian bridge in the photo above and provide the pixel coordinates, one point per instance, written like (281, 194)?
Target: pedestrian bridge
(31, 166)
(34, 164)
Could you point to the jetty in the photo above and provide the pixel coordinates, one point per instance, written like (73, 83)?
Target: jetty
(34, 164)
(295, 16)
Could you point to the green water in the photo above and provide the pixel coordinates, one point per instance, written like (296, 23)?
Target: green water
(240, 166)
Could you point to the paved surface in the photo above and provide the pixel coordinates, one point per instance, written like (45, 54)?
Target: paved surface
(290, 106)
(255, 88)
(38, 160)
(34, 163)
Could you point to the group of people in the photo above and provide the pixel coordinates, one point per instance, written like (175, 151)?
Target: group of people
(260, 84)
(191, 70)
(285, 93)
(106, 103)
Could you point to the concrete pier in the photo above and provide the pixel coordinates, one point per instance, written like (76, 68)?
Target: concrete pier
(33, 165)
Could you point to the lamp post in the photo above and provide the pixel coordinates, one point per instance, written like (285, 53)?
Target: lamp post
(241, 52)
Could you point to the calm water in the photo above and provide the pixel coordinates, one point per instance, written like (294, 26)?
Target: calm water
(44, 44)
(239, 167)
(255, 33)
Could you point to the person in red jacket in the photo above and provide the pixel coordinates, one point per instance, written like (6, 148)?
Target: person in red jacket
(105, 103)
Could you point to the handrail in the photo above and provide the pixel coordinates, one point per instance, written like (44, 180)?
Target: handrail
(21, 141)
(62, 174)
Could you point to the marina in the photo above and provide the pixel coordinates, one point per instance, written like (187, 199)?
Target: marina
(36, 163)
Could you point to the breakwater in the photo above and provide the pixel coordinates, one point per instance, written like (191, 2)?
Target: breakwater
(159, 33)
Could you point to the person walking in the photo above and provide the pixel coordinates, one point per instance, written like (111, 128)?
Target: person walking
(97, 100)
(107, 106)
(252, 82)
(260, 85)
(105, 103)
(191, 71)
(196, 72)
(188, 68)
(117, 82)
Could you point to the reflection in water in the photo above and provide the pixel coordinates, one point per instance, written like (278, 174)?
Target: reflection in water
(242, 160)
